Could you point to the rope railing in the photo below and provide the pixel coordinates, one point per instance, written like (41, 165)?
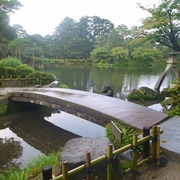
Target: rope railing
(151, 152)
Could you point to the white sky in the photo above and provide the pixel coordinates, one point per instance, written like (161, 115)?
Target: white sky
(43, 16)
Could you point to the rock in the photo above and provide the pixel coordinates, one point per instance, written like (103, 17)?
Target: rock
(107, 90)
(54, 84)
(145, 93)
(75, 150)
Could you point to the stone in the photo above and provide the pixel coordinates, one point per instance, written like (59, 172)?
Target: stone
(74, 151)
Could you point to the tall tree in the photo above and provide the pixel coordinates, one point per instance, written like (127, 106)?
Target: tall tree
(7, 33)
(164, 23)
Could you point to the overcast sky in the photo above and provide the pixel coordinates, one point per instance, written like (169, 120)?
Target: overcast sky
(43, 16)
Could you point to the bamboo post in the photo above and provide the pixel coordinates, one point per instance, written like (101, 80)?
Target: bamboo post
(19, 81)
(3, 84)
(134, 154)
(11, 81)
(109, 162)
(146, 145)
(88, 165)
(158, 147)
(47, 172)
(156, 144)
(65, 170)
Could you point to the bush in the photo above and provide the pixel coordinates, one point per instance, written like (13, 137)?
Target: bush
(172, 104)
(3, 72)
(23, 70)
(10, 62)
(11, 72)
(41, 78)
(127, 134)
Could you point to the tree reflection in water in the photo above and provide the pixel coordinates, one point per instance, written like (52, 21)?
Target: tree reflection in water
(9, 151)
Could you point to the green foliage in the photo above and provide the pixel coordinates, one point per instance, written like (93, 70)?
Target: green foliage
(3, 110)
(146, 55)
(10, 62)
(33, 168)
(164, 24)
(172, 104)
(63, 86)
(24, 70)
(127, 134)
(41, 78)
(119, 53)
(100, 53)
(11, 72)
(3, 72)
(139, 94)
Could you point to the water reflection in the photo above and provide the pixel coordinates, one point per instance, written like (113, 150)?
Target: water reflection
(37, 131)
(15, 151)
(123, 79)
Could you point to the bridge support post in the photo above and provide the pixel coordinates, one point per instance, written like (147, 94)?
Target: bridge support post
(146, 145)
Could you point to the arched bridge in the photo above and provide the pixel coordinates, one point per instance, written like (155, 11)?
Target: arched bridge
(94, 107)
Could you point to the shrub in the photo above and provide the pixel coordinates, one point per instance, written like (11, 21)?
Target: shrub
(3, 72)
(11, 72)
(24, 70)
(41, 78)
(127, 134)
(172, 104)
(10, 62)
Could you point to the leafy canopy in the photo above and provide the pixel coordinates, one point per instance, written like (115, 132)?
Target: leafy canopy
(164, 23)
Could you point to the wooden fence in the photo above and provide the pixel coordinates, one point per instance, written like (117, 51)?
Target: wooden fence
(151, 152)
(24, 82)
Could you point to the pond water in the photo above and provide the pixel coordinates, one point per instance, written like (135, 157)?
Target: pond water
(23, 135)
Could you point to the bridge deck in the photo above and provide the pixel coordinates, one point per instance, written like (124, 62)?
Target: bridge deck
(102, 107)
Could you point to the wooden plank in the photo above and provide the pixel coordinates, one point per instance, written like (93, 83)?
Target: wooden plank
(116, 132)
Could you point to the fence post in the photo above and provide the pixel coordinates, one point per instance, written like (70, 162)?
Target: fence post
(65, 170)
(109, 161)
(156, 144)
(11, 81)
(88, 165)
(3, 83)
(134, 156)
(19, 81)
(47, 172)
(146, 145)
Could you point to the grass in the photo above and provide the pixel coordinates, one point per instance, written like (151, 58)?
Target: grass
(33, 168)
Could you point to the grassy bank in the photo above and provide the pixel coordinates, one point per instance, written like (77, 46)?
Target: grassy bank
(32, 169)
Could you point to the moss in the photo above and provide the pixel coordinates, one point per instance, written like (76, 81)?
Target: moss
(4, 104)
(63, 86)
(3, 109)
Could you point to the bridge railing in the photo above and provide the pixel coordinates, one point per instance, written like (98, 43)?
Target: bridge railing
(151, 152)
(24, 82)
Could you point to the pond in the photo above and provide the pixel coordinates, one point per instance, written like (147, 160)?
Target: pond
(23, 135)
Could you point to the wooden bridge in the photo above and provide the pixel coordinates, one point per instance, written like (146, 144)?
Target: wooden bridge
(97, 108)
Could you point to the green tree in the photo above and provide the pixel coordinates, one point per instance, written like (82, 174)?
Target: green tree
(21, 33)
(100, 53)
(114, 39)
(119, 53)
(7, 33)
(146, 55)
(164, 23)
